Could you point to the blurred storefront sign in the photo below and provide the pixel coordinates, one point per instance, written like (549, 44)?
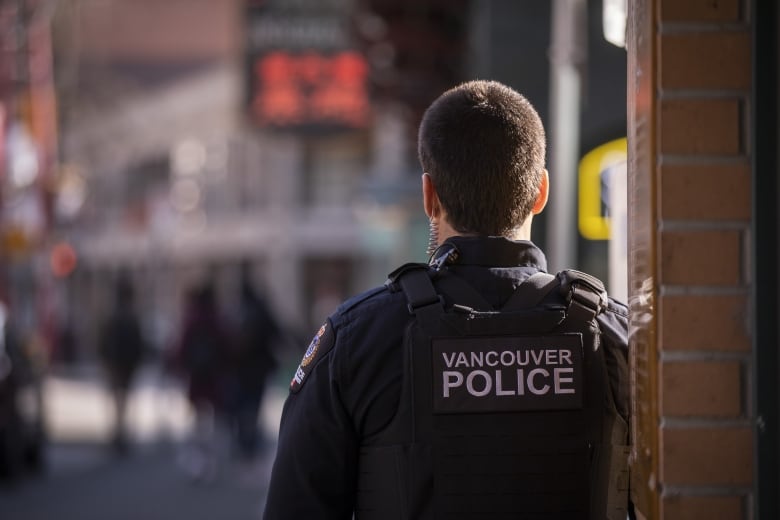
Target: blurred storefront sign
(311, 89)
(598, 171)
(303, 71)
(603, 210)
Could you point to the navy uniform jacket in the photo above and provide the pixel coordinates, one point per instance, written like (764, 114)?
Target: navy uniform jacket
(347, 387)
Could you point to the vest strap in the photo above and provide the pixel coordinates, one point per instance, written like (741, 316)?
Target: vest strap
(422, 298)
(532, 291)
(585, 294)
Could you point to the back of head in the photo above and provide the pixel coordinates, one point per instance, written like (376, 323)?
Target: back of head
(483, 145)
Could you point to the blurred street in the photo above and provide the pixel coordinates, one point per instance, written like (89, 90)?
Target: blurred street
(83, 478)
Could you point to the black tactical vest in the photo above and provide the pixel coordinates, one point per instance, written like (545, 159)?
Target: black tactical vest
(502, 415)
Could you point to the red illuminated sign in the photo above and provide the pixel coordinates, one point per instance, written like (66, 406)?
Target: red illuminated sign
(310, 89)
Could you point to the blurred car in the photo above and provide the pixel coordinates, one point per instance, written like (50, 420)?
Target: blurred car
(22, 431)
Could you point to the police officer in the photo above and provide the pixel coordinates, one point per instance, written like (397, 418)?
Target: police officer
(474, 387)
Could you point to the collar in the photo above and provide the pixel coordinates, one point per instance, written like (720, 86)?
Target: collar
(490, 251)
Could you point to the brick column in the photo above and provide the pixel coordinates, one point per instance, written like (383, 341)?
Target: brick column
(695, 364)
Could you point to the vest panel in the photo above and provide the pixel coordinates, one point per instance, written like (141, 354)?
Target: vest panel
(492, 424)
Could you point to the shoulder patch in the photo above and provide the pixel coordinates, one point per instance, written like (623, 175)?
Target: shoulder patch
(322, 342)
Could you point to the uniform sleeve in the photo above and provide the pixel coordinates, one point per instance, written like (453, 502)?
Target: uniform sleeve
(614, 327)
(314, 473)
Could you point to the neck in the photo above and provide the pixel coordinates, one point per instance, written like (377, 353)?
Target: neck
(446, 231)
(522, 232)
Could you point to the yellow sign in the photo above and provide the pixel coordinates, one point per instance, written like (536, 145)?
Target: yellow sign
(596, 170)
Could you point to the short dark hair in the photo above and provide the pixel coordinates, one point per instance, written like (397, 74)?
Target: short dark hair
(483, 145)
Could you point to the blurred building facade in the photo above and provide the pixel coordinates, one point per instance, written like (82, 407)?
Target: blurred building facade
(196, 136)
(29, 150)
(160, 123)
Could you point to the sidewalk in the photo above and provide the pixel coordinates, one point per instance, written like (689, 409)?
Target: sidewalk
(85, 480)
(78, 414)
(146, 484)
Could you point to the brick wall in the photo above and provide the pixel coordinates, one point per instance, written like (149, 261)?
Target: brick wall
(700, 240)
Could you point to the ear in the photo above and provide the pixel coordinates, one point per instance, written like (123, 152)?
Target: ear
(430, 197)
(544, 193)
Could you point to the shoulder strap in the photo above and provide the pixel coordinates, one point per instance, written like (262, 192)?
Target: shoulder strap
(532, 291)
(585, 294)
(422, 299)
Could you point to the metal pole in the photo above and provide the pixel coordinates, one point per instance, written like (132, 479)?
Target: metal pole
(567, 54)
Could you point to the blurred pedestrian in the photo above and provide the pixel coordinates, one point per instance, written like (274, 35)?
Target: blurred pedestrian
(252, 362)
(121, 351)
(22, 430)
(201, 357)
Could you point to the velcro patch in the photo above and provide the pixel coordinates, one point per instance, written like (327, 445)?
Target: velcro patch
(321, 343)
(507, 374)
